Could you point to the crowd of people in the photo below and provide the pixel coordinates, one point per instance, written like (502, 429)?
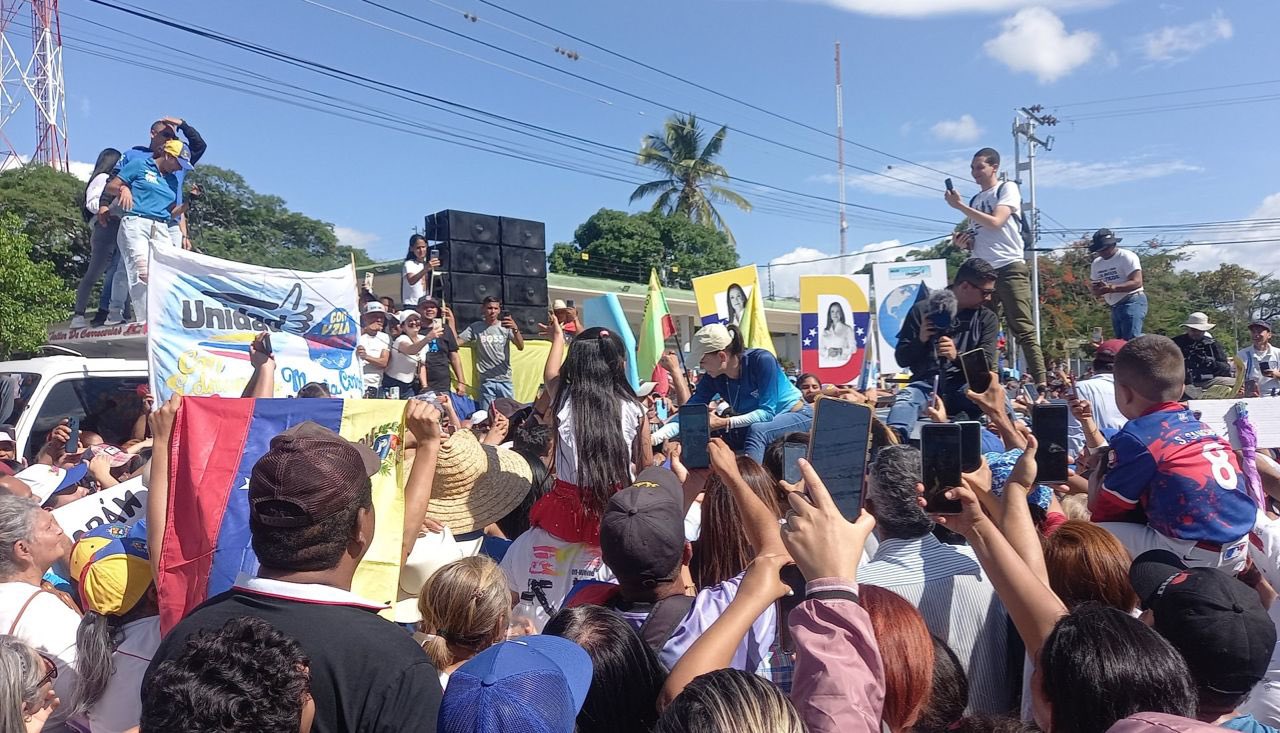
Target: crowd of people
(562, 569)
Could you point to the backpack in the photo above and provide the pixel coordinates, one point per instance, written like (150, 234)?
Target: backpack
(1024, 229)
(663, 618)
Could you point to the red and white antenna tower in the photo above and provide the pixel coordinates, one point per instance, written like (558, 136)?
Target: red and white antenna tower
(31, 73)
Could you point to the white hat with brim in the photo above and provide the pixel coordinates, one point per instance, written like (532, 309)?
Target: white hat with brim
(709, 338)
(430, 552)
(45, 480)
(475, 484)
(646, 388)
(1199, 322)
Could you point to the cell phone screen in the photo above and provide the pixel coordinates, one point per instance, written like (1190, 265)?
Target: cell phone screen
(838, 443)
(940, 457)
(695, 433)
(1049, 425)
(1031, 393)
(792, 452)
(977, 370)
(970, 445)
(950, 186)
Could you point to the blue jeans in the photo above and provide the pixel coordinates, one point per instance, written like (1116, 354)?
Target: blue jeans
(907, 406)
(1127, 316)
(754, 438)
(492, 389)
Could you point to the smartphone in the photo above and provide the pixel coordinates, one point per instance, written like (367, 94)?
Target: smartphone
(433, 254)
(940, 459)
(437, 324)
(73, 438)
(792, 452)
(1032, 395)
(390, 393)
(970, 445)
(950, 186)
(368, 281)
(1049, 425)
(695, 433)
(569, 302)
(937, 381)
(977, 370)
(838, 443)
(266, 343)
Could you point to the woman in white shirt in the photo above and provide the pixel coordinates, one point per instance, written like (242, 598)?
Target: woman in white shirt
(416, 280)
(403, 367)
(837, 345)
(102, 243)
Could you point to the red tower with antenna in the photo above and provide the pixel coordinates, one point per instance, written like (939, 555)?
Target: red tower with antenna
(31, 76)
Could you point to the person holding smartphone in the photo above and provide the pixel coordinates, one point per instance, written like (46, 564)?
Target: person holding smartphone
(493, 336)
(1261, 360)
(1115, 276)
(417, 271)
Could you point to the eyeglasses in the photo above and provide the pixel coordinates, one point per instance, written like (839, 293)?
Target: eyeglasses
(984, 291)
(51, 674)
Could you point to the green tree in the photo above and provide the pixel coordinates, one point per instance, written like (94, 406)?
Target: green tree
(31, 293)
(47, 204)
(229, 219)
(626, 246)
(691, 179)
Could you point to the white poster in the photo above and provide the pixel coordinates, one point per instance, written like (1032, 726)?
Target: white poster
(125, 503)
(203, 312)
(898, 286)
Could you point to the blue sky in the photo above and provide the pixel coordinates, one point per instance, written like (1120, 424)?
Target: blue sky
(927, 80)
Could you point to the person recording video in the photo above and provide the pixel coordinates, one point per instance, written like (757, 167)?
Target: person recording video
(935, 333)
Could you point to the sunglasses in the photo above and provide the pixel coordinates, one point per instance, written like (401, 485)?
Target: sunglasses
(984, 291)
(52, 670)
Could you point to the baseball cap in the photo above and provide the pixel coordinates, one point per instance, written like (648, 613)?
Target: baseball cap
(1108, 349)
(7, 437)
(642, 530)
(1216, 622)
(374, 306)
(1102, 239)
(709, 338)
(428, 302)
(645, 389)
(45, 481)
(1259, 323)
(404, 315)
(307, 475)
(535, 683)
(112, 566)
(178, 149)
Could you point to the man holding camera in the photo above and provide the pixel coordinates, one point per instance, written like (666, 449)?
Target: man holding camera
(995, 235)
(935, 333)
(1116, 276)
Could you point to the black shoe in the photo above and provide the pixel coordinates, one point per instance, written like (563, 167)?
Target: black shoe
(99, 318)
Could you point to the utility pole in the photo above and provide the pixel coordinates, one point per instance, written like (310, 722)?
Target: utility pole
(844, 225)
(1025, 122)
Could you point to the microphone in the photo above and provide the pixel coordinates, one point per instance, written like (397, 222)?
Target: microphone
(941, 311)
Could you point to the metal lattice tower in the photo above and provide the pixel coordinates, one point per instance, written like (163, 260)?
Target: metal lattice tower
(31, 73)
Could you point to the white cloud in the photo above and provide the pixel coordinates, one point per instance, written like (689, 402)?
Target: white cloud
(1036, 41)
(965, 129)
(927, 8)
(349, 237)
(1177, 42)
(1051, 172)
(77, 168)
(785, 270)
(1263, 257)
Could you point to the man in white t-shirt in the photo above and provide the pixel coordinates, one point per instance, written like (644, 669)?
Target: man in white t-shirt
(995, 236)
(1116, 277)
(1100, 391)
(1261, 362)
(373, 349)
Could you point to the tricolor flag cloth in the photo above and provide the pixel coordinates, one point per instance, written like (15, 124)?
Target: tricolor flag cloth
(216, 442)
(655, 329)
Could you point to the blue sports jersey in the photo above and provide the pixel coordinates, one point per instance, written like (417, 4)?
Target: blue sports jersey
(1180, 474)
(761, 390)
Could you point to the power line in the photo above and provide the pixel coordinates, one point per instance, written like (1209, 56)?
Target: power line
(443, 104)
(1132, 97)
(1205, 104)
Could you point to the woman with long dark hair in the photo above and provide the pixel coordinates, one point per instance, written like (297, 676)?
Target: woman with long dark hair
(722, 550)
(415, 284)
(837, 343)
(810, 387)
(102, 243)
(600, 435)
(735, 304)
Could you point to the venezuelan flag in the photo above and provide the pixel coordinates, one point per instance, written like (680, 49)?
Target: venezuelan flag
(216, 442)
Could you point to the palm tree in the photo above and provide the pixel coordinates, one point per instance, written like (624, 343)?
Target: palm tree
(691, 179)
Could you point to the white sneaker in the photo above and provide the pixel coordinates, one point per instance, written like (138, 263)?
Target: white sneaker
(113, 319)
(78, 321)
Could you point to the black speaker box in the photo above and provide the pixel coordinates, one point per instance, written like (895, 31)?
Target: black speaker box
(524, 233)
(517, 291)
(482, 259)
(451, 224)
(523, 262)
(471, 288)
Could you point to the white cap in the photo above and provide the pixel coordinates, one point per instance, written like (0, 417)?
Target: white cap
(558, 305)
(403, 315)
(709, 338)
(374, 306)
(5, 437)
(646, 388)
(479, 416)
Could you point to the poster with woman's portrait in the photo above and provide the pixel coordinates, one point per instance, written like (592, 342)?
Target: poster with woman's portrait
(723, 296)
(835, 326)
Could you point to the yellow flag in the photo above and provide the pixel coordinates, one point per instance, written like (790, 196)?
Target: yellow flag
(755, 329)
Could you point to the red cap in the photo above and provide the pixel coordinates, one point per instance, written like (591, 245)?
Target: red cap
(1108, 349)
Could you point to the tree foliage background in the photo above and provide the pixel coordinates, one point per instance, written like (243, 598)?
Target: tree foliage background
(32, 295)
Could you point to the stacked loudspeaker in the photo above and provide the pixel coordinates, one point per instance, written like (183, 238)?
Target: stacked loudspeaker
(483, 255)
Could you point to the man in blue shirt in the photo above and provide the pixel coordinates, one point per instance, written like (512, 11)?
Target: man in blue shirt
(148, 198)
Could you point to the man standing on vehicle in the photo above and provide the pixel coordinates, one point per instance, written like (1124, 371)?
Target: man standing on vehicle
(493, 336)
(1116, 276)
(995, 236)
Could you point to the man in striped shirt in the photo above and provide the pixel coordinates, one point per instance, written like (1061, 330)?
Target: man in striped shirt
(945, 582)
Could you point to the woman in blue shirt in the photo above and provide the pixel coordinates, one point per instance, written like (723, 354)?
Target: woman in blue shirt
(148, 197)
(764, 403)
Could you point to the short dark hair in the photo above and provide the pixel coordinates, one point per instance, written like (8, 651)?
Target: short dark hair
(949, 693)
(243, 678)
(1100, 665)
(314, 389)
(975, 270)
(892, 493)
(315, 547)
(491, 299)
(990, 155)
(1152, 365)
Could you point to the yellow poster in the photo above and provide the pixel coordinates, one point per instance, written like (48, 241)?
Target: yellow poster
(733, 298)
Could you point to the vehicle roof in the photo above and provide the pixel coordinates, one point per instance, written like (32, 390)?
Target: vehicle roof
(64, 364)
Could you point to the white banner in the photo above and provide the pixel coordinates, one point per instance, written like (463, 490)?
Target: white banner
(125, 503)
(203, 312)
(898, 285)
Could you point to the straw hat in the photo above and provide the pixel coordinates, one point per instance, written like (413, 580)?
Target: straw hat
(476, 485)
